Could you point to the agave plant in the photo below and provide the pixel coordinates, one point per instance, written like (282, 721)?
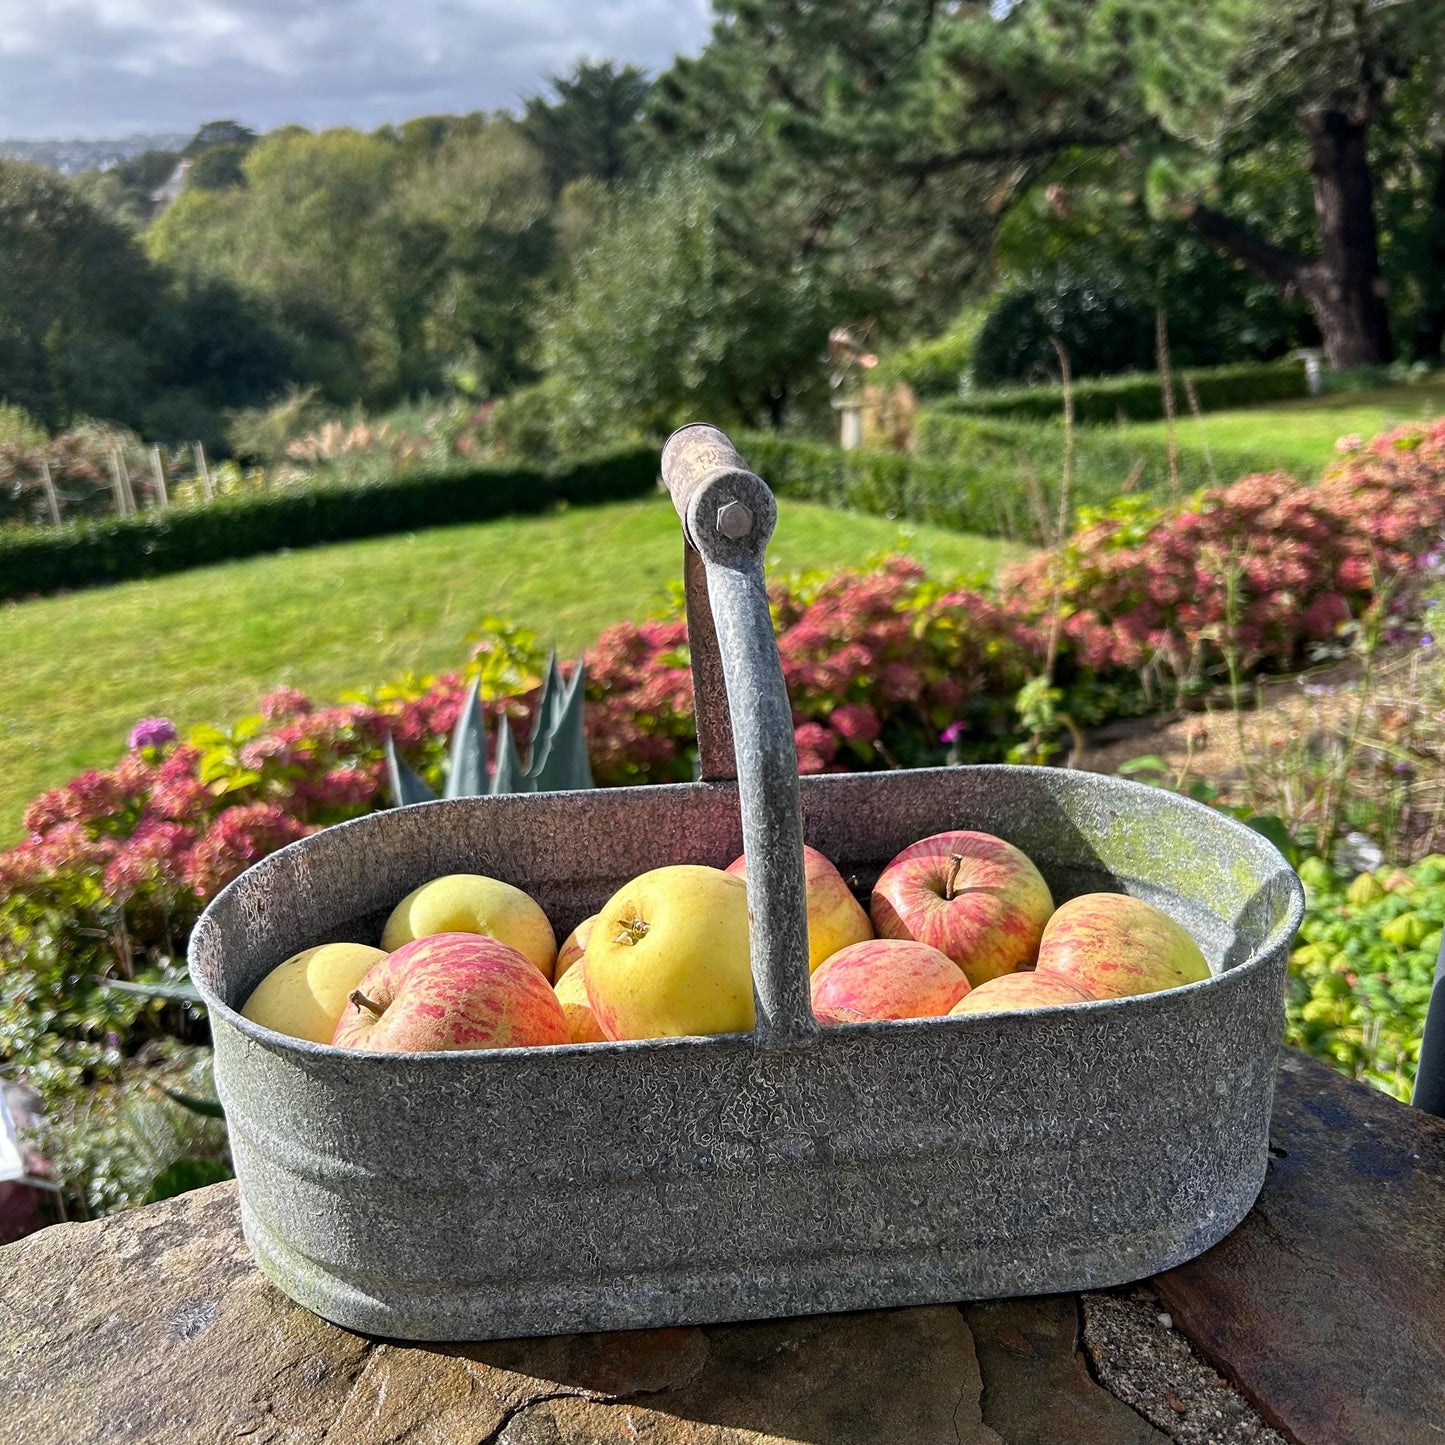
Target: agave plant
(556, 748)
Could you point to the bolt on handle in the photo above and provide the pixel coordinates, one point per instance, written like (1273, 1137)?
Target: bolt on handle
(728, 514)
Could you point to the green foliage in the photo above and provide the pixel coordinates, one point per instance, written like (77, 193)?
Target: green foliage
(19, 429)
(1100, 325)
(384, 260)
(939, 366)
(125, 1142)
(76, 293)
(673, 316)
(556, 748)
(1141, 397)
(152, 543)
(1361, 976)
(590, 125)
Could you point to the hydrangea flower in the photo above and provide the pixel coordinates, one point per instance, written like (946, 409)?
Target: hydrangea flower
(152, 732)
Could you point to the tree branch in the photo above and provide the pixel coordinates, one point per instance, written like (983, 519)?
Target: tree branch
(1013, 150)
(1284, 268)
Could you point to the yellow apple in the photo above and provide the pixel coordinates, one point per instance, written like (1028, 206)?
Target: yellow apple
(668, 956)
(573, 947)
(571, 991)
(835, 918)
(470, 903)
(305, 996)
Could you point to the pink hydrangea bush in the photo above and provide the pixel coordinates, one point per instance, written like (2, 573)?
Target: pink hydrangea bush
(883, 667)
(1259, 570)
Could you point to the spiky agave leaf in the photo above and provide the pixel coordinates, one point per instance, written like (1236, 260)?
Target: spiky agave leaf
(549, 702)
(406, 785)
(467, 764)
(508, 774)
(171, 992)
(563, 762)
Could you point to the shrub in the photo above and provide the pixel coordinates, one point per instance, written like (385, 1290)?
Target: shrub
(1000, 479)
(1099, 323)
(1361, 976)
(1139, 396)
(37, 560)
(1249, 574)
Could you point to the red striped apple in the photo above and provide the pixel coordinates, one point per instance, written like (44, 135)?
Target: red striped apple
(969, 895)
(1028, 989)
(835, 918)
(887, 978)
(452, 991)
(1113, 945)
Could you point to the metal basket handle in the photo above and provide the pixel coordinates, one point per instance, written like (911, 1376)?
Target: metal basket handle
(728, 514)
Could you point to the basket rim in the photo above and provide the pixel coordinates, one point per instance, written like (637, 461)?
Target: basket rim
(1273, 867)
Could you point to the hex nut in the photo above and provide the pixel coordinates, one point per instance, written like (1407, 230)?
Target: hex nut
(734, 520)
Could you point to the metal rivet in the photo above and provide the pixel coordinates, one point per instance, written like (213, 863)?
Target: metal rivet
(734, 520)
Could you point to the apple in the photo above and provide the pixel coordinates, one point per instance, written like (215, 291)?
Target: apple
(970, 895)
(305, 996)
(452, 991)
(1028, 989)
(470, 903)
(835, 917)
(1112, 945)
(573, 947)
(571, 991)
(833, 1017)
(668, 956)
(887, 978)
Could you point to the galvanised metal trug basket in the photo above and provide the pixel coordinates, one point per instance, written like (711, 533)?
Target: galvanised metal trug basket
(792, 1170)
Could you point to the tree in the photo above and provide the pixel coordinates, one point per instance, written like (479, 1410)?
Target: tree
(669, 319)
(590, 125)
(969, 108)
(75, 293)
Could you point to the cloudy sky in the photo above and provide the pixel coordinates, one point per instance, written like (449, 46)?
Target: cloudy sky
(102, 68)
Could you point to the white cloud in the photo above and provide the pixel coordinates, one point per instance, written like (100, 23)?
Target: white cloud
(105, 67)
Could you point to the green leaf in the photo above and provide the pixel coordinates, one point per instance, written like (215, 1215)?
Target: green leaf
(173, 992)
(467, 764)
(564, 762)
(1149, 764)
(406, 786)
(209, 1107)
(185, 1175)
(509, 776)
(1267, 825)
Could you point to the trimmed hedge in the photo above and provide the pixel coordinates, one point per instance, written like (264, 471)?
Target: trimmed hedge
(115, 549)
(1139, 397)
(974, 475)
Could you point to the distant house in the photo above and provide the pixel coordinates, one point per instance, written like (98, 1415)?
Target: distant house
(171, 191)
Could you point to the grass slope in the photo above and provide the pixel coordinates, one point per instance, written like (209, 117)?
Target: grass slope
(1299, 436)
(204, 645)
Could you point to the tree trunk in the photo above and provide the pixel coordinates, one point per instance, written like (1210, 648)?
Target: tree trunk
(1430, 322)
(1343, 288)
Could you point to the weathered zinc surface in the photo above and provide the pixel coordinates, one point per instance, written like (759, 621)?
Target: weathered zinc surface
(785, 1172)
(154, 1325)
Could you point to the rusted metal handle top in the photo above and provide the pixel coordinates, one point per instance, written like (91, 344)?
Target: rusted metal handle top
(728, 514)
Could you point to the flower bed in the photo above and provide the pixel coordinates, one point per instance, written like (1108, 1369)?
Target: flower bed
(884, 667)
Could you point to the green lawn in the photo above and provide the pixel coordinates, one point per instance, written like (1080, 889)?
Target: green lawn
(1300, 435)
(204, 645)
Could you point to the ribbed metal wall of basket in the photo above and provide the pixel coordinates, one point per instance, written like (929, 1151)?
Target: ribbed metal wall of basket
(793, 1170)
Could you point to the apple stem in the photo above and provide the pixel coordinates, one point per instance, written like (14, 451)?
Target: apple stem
(361, 1001)
(953, 868)
(634, 930)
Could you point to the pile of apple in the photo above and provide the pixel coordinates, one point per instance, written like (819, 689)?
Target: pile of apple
(961, 922)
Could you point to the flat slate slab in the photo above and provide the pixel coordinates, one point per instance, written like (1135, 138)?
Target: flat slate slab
(1327, 1305)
